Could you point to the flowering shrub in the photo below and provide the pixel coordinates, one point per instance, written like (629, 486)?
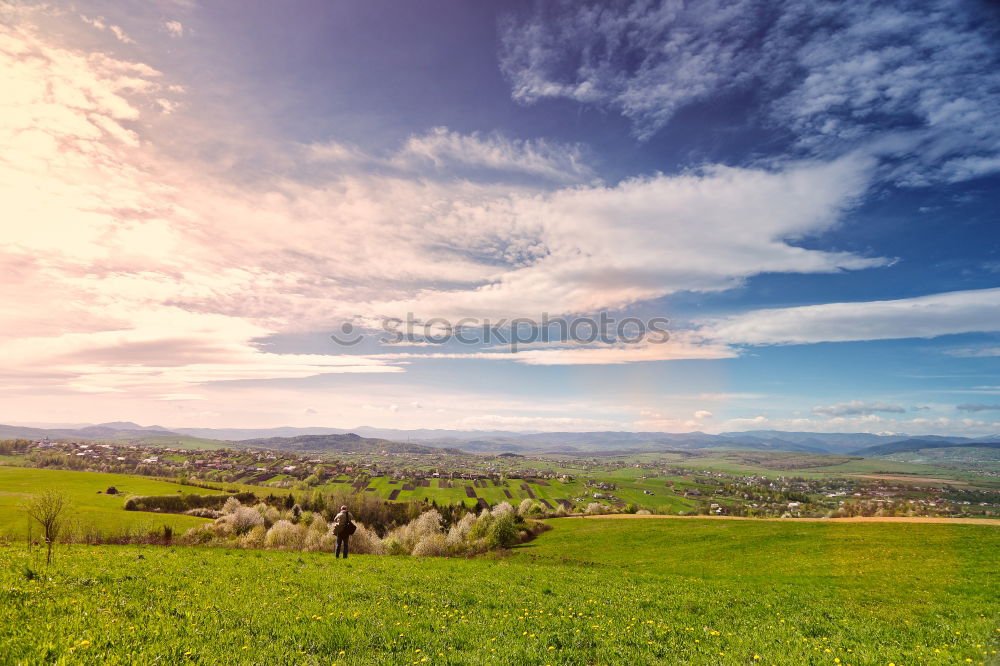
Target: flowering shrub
(242, 519)
(231, 505)
(432, 545)
(459, 532)
(254, 538)
(262, 526)
(285, 535)
(270, 514)
(502, 508)
(202, 512)
(409, 535)
(366, 542)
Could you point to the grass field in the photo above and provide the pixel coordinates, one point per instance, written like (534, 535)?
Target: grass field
(17, 484)
(182, 442)
(629, 489)
(12, 460)
(587, 592)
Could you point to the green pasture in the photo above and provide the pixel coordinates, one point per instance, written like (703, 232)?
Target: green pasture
(182, 442)
(629, 490)
(88, 506)
(654, 591)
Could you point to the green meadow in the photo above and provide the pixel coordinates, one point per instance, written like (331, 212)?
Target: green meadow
(590, 591)
(629, 489)
(90, 505)
(808, 465)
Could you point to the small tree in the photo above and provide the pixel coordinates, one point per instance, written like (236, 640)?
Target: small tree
(502, 532)
(48, 508)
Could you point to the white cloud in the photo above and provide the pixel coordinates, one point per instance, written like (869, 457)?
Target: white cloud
(174, 28)
(919, 317)
(120, 34)
(441, 148)
(681, 346)
(154, 279)
(857, 408)
(441, 153)
(703, 414)
(182, 396)
(646, 60)
(580, 249)
(869, 423)
(831, 72)
(115, 30)
(129, 244)
(974, 352)
(536, 423)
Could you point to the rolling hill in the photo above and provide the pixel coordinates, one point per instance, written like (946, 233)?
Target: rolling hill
(920, 444)
(347, 443)
(497, 441)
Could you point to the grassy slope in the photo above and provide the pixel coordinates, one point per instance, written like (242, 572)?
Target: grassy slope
(182, 442)
(959, 457)
(589, 591)
(18, 483)
(629, 490)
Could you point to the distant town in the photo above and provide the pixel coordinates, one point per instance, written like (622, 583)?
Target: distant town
(624, 484)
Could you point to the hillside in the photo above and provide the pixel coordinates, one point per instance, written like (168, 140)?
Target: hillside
(113, 430)
(347, 443)
(92, 508)
(587, 592)
(491, 442)
(920, 444)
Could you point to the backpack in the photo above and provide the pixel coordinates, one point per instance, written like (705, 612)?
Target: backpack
(349, 529)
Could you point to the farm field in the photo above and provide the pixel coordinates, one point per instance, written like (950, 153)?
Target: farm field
(88, 507)
(588, 591)
(182, 442)
(629, 489)
(971, 458)
(813, 465)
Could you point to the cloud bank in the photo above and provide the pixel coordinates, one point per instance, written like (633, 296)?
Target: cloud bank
(921, 78)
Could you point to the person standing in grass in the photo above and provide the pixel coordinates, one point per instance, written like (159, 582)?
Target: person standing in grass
(343, 528)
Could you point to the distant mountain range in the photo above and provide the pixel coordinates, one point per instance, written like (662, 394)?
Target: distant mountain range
(497, 441)
(113, 430)
(348, 443)
(908, 445)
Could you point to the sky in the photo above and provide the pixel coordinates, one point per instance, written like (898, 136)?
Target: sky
(217, 214)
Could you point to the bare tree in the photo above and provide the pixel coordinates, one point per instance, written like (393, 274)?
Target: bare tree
(49, 509)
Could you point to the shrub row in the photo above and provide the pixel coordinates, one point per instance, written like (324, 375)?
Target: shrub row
(264, 526)
(182, 503)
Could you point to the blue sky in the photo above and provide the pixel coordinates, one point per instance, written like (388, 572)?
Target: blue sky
(200, 193)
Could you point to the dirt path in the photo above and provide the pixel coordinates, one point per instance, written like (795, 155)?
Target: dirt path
(995, 522)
